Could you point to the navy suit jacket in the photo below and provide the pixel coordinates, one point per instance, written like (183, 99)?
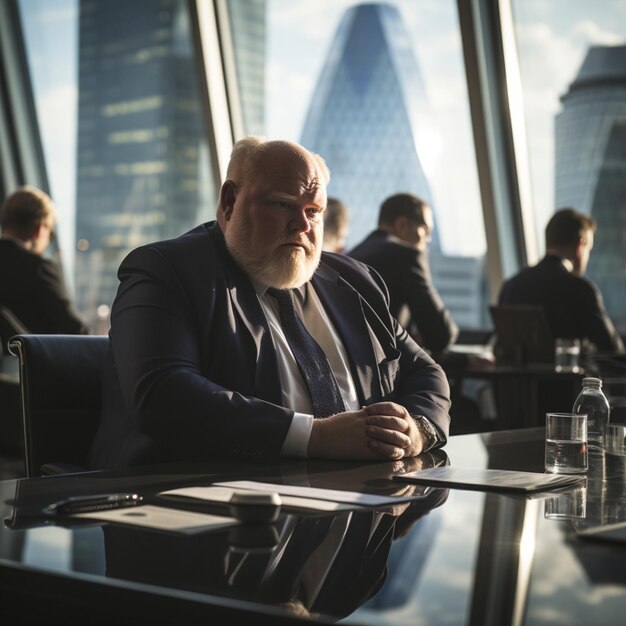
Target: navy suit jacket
(192, 373)
(573, 304)
(406, 273)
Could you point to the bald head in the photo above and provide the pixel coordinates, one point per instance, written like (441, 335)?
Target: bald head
(271, 210)
(251, 156)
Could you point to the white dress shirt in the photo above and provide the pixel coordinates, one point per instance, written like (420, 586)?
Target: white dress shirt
(294, 390)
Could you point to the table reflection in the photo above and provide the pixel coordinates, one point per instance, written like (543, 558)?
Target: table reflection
(309, 564)
(462, 557)
(312, 565)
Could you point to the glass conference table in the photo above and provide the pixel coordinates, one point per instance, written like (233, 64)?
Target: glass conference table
(442, 557)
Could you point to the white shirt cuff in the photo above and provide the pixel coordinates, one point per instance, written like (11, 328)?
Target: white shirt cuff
(297, 439)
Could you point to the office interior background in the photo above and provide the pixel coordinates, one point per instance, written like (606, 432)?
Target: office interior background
(498, 112)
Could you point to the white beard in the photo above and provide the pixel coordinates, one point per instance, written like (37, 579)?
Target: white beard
(285, 268)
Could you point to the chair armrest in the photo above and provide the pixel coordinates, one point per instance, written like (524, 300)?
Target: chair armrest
(54, 469)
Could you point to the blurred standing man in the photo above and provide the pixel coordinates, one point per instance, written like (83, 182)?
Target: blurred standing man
(572, 303)
(208, 332)
(397, 250)
(336, 219)
(31, 286)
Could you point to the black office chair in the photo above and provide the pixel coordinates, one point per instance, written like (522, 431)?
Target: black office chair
(61, 399)
(10, 422)
(522, 336)
(9, 325)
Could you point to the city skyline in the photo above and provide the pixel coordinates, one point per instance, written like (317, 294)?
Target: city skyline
(552, 40)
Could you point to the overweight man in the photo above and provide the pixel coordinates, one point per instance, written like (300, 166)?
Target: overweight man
(242, 339)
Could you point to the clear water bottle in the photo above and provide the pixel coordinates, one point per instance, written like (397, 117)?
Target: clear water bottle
(593, 402)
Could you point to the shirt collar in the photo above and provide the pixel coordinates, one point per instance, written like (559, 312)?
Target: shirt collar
(566, 263)
(301, 292)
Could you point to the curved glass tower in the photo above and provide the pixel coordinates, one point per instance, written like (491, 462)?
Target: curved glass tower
(590, 166)
(364, 115)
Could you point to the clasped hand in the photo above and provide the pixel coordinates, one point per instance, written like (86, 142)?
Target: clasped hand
(383, 430)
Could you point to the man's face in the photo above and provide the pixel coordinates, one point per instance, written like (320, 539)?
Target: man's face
(44, 234)
(417, 233)
(274, 228)
(583, 252)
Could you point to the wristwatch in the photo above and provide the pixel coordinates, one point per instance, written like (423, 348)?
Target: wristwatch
(428, 431)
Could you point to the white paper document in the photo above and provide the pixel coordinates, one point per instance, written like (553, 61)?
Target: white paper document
(215, 493)
(333, 495)
(309, 498)
(161, 518)
(490, 479)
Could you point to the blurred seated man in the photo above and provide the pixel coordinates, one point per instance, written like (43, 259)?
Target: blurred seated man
(572, 303)
(397, 250)
(31, 286)
(230, 340)
(336, 219)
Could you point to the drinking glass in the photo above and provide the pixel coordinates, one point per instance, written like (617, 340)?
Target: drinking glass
(566, 443)
(570, 504)
(567, 355)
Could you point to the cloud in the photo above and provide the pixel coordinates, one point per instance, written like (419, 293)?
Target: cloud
(284, 119)
(312, 19)
(548, 62)
(57, 109)
(588, 32)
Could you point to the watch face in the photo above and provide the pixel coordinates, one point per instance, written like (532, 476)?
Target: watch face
(428, 431)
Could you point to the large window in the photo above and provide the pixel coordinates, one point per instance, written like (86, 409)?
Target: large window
(573, 65)
(379, 91)
(118, 102)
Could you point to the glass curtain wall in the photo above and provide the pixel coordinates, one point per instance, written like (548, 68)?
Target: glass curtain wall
(118, 102)
(573, 65)
(378, 89)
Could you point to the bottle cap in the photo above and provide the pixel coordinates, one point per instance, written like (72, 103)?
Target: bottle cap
(592, 381)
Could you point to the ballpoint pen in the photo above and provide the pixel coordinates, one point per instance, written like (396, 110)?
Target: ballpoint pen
(89, 504)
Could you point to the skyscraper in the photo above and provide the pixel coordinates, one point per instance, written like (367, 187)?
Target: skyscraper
(365, 118)
(590, 166)
(247, 26)
(143, 171)
(365, 112)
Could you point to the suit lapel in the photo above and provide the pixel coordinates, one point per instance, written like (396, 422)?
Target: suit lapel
(246, 305)
(345, 309)
(266, 380)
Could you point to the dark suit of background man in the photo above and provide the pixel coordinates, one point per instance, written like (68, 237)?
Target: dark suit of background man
(200, 356)
(397, 250)
(31, 286)
(573, 304)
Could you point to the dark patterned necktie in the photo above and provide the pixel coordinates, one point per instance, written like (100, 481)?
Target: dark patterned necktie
(311, 360)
